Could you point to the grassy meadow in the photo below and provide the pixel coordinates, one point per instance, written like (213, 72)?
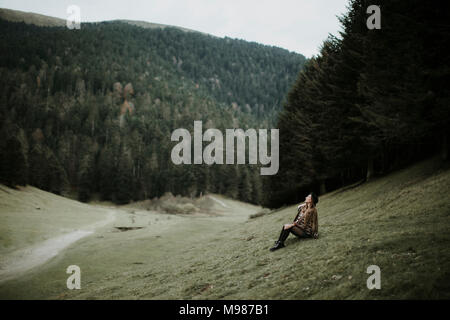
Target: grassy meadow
(399, 222)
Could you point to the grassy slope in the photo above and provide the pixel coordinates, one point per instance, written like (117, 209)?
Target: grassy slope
(399, 222)
(30, 215)
(31, 18)
(48, 21)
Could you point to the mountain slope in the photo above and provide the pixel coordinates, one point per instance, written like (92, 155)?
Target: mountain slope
(48, 21)
(92, 110)
(31, 18)
(399, 222)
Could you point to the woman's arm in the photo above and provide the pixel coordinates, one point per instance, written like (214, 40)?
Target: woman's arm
(308, 216)
(315, 226)
(300, 210)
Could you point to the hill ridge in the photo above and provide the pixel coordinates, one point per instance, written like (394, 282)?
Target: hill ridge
(43, 20)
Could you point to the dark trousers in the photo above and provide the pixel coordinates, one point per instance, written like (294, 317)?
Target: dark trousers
(298, 232)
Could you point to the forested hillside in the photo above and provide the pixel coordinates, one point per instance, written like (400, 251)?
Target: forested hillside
(92, 110)
(371, 102)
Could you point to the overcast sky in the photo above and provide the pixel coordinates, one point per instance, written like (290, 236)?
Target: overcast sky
(296, 25)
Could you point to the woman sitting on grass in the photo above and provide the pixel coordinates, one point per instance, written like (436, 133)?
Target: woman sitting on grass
(305, 223)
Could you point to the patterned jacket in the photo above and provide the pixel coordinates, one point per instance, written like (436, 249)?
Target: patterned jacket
(307, 220)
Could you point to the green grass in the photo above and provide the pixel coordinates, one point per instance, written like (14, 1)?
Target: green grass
(29, 215)
(399, 222)
(48, 21)
(31, 18)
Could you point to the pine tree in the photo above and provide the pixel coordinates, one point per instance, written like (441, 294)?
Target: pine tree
(38, 167)
(14, 163)
(245, 186)
(123, 179)
(85, 179)
(257, 188)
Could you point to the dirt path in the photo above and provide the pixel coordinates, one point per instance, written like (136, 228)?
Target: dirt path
(15, 264)
(218, 201)
(146, 245)
(20, 261)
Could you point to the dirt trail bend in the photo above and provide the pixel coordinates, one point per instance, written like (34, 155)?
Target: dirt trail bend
(22, 260)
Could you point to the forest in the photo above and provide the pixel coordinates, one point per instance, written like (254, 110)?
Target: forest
(90, 112)
(371, 102)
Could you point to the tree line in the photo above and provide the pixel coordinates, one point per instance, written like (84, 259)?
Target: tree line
(370, 102)
(91, 111)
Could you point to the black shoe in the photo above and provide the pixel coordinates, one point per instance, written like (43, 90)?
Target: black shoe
(277, 246)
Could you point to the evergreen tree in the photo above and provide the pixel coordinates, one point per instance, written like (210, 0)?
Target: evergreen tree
(14, 163)
(85, 180)
(123, 180)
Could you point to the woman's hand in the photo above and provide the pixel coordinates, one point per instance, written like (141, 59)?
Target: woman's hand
(288, 226)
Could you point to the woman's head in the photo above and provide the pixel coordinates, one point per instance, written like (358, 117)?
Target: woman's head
(312, 198)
